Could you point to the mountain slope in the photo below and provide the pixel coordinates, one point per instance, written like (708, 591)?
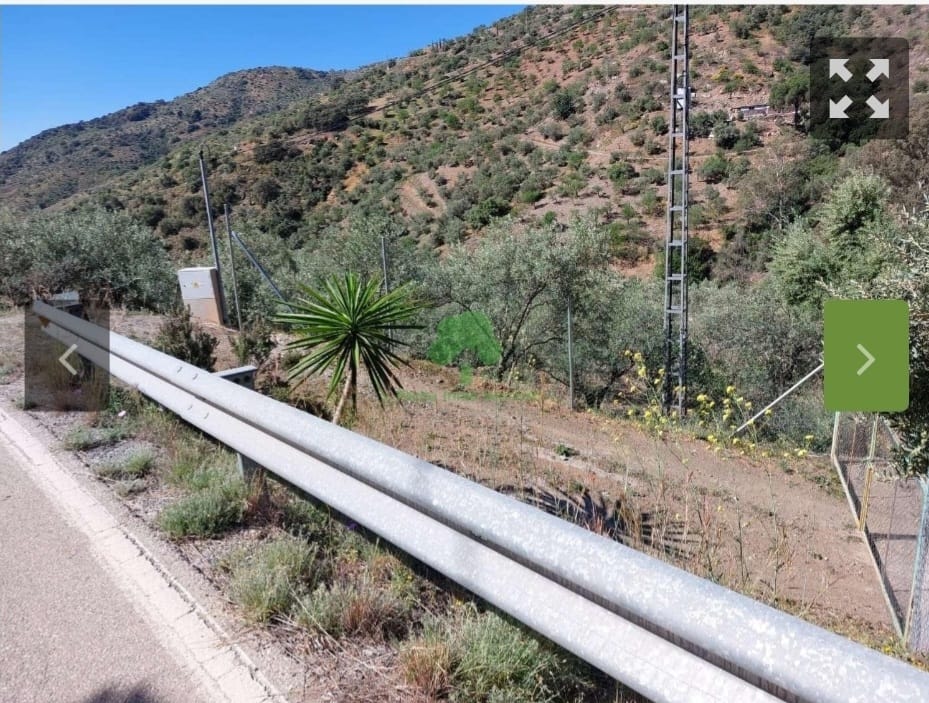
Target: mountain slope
(75, 158)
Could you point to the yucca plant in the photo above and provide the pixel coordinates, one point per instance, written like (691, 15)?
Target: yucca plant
(346, 325)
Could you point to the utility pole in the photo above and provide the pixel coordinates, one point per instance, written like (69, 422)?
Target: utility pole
(213, 245)
(675, 289)
(384, 262)
(570, 356)
(235, 287)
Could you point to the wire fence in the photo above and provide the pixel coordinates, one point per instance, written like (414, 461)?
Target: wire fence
(893, 514)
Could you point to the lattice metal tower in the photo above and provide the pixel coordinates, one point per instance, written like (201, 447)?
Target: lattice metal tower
(675, 287)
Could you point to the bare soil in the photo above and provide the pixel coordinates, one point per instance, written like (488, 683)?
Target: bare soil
(777, 528)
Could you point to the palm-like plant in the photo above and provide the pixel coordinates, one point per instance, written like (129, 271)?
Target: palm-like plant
(346, 325)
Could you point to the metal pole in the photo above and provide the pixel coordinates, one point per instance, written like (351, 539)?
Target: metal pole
(570, 358)
(257, 265)
(780, 398)
(213, 245)
(384, 263)
(209, 213)
(235, 287)
(915, 637)
(675, 274)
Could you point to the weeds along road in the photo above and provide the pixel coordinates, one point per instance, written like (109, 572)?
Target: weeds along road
(84, 616)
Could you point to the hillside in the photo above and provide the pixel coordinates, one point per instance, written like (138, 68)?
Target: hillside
(77, 158)
(548, 113)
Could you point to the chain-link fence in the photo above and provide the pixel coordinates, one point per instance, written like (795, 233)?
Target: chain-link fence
(893, 515)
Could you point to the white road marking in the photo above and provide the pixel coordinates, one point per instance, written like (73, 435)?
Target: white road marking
(182, 625)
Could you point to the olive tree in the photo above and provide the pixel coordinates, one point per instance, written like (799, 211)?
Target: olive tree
(523, 281)
(906, 276)
(848, 243)
(103, 254)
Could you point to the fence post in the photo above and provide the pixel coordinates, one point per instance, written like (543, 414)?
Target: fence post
(916, 632)
(869, 475)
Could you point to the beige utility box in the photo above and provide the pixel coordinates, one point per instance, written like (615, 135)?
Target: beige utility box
(201, 294)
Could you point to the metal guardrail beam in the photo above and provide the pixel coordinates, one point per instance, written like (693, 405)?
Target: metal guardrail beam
(664, 632)
(644, 661)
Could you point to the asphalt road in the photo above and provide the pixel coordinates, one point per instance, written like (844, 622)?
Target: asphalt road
(68, 631)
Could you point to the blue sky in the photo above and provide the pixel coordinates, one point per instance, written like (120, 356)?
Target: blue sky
(62, 64)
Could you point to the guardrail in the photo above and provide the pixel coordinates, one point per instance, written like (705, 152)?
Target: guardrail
(663, 632)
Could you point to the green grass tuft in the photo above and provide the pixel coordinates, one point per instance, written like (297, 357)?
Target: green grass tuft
(135, 466)
(267, 582)
(362, 608)
(209, 512)
(484, 658)
(83, 438)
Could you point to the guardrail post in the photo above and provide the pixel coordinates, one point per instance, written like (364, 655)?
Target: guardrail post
(244, 376)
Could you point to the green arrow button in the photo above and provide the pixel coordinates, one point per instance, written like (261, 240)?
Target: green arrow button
(867, 356)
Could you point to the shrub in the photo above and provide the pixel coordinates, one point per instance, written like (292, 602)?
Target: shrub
(151, 215)
(209, 512)
(749, 138)
(620, 173)
(700, 258)
(484, 658)
(170, 226)
(136, 465)
(652, 203)
(83, 438)
(767, 345)
(564, 104)
(715, 168)
(254, 343)
(267, 190)
(516, 278)
(178, 337)
(553, 131)
(267, 582)
(362, 608)
(529, 195)
(727, 136)
(703, 123)
(483, 213)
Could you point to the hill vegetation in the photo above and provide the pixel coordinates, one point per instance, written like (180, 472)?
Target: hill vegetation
(73, 159)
